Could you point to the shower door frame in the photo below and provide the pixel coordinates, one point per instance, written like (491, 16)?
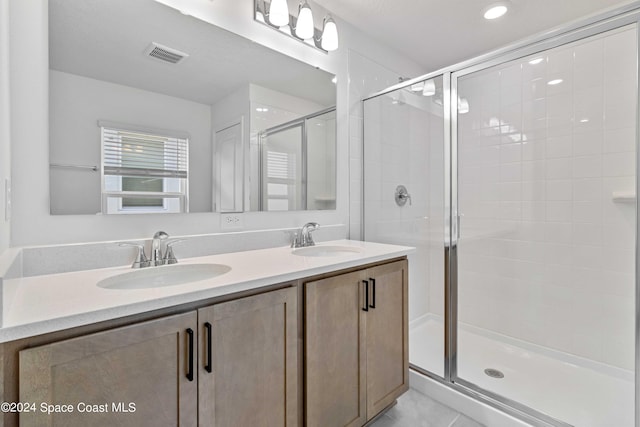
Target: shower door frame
(594, 25)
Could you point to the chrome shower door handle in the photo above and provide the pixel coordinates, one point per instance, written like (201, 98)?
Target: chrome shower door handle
(402, 195)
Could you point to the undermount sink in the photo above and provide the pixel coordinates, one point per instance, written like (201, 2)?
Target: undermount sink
(327, 251)
(162, 276)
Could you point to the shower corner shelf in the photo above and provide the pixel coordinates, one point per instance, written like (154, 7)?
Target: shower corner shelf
(624, 196)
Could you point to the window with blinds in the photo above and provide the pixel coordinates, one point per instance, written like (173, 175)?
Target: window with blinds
(144, 171)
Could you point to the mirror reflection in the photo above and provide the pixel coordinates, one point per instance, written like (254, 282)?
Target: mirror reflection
(152, 111)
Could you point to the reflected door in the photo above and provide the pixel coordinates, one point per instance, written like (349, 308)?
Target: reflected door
(229, 160)
(283, 169)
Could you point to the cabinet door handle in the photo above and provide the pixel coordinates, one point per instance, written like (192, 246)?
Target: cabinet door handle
(190, 355)
(366, 295)
(207, 367)
(373, 293)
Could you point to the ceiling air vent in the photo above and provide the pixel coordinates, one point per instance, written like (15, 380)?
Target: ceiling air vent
(164, 53)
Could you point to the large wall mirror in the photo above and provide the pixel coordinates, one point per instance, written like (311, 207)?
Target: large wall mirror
(153, 111)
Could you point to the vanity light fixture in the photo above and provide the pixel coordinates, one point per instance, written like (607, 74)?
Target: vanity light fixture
(495, 10)
(275, 14)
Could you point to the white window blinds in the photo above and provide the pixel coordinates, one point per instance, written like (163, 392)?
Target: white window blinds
(281, 166)
(131, 153)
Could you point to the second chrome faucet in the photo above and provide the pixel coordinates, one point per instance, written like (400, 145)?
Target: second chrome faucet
(303, 237)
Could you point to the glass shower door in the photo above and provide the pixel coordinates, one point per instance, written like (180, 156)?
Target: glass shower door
(546, 176)
(404, 169)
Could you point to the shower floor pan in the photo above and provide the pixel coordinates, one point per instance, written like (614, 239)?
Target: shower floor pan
(577, 391)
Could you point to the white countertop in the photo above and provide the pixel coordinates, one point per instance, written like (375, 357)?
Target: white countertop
(48, 303)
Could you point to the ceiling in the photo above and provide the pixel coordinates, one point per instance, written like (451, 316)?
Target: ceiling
(438, 33)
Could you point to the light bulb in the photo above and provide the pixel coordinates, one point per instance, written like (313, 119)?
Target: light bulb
(463, 106)
(304, 26)
(429, 88)
(279, 13)
(329, 35)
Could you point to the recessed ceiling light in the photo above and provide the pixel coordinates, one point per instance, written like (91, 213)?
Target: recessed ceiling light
(554, 82)
(495, 10)
(536, 61)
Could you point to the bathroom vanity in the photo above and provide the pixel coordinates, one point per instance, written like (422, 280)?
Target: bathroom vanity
(316, 337)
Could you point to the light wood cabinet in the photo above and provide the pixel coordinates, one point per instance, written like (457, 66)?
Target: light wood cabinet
(248, 373)
(146, 365)
(231, 364)
(356, 345)
(335, 375)
(387, 332)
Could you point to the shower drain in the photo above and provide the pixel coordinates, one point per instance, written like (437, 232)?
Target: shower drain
(494, 373)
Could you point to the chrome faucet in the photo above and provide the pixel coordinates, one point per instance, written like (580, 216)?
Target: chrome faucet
(157, 248)
(303, 237)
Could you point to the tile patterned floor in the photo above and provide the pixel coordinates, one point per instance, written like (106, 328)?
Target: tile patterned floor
(414, 409)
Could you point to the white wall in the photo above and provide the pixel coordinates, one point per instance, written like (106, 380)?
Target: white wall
(5, 129)
(74, 136)
(546, 255)
(32, 223)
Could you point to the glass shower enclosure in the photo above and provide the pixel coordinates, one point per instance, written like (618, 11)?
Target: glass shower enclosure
(519, 175)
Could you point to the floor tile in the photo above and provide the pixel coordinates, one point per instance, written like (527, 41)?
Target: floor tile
(414, 409)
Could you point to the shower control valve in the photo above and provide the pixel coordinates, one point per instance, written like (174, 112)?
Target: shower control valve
(402, 195)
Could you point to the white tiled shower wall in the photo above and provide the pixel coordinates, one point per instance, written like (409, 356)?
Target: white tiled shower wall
(365, 77)
(546, 254)
(404, 134)
(404, 142)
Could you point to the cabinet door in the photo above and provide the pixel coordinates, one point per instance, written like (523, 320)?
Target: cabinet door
(387, 336)
(335, 353)
(251, 348)
(144, 364)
